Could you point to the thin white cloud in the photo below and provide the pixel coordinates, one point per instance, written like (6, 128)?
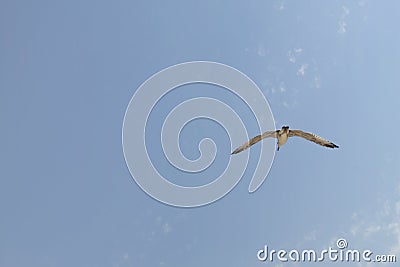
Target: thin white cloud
(270, 88)
(317, 82)
(292, 55)
(342, 21)
(280, 4)
(395, 248)
(302, 70)
(290, 105)
(312, 236)
(261, 51)
(346, 11)
(383, 225)
(342, 27)
(282, 87)
(372, 229)
(166, 228)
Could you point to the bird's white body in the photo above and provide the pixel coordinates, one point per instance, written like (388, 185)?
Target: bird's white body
(282, 137)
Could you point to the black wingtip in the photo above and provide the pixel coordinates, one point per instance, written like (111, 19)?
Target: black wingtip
(332, 145)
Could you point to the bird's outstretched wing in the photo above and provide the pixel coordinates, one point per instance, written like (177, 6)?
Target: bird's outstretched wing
(256, 139)
(312, 137)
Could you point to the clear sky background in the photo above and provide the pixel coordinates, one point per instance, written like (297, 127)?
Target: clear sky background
(69, 68)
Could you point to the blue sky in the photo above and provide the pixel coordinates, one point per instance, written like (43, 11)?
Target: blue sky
(69, 69)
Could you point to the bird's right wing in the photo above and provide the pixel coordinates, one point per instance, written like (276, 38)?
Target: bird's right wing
(254, 140)
(313, 138)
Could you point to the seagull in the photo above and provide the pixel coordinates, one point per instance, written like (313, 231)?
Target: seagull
(282, 135)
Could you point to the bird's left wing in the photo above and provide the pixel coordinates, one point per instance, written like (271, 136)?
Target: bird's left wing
(254, 140)
(312, 137)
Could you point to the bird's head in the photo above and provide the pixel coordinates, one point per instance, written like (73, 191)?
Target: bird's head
(285, 128)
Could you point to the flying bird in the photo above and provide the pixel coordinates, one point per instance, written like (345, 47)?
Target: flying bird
(282, 135)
